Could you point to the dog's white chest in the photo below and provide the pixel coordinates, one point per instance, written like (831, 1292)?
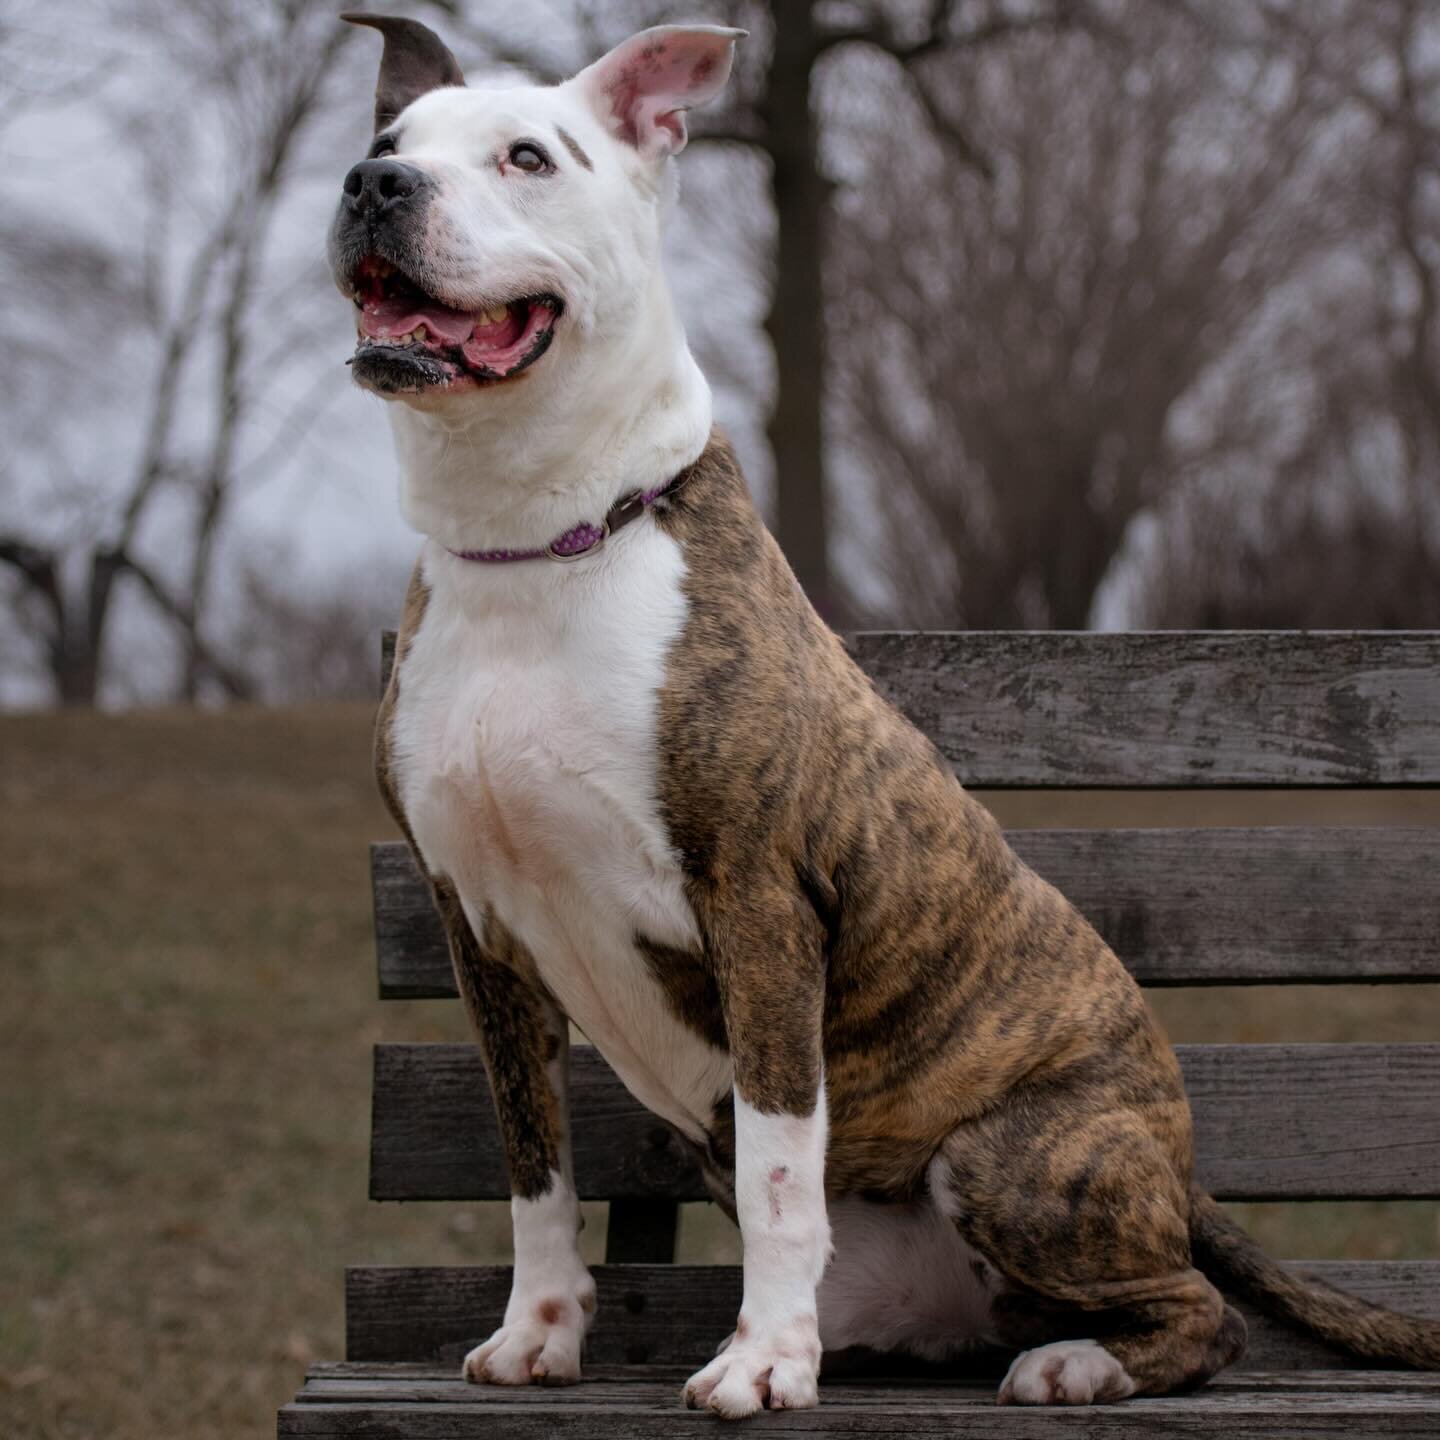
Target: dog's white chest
(526, 756)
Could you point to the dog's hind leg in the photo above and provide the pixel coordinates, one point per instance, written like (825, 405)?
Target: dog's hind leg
(1084, 1210)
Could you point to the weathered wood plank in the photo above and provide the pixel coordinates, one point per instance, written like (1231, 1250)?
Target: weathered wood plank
(1168, 708)
(1180, 907)
(1271, 1122)
(395, 1400)
(655, 1412)
(657, 1415)
(677, 1314)
(358, 1380)
(333, 1378)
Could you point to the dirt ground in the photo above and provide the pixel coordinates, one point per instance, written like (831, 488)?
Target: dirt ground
(184, 1061)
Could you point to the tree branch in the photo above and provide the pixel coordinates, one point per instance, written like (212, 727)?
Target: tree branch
(965, 150)
(236, 685)
(940, 36)
(38, 569)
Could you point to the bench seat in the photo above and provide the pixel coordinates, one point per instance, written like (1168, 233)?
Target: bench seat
(375, 1400)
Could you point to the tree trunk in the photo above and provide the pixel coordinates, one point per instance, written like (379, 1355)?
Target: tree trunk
(74, 670)
(795, 323)
(79, 639)
(1084, 551)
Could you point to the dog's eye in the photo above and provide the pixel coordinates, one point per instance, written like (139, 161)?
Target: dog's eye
(382, 145)
(529, 156)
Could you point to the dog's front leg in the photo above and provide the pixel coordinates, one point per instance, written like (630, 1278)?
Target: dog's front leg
(524, 1040)
(772, 990)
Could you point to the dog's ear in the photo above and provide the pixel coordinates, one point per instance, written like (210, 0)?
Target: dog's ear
(415, 60)
(643, 87)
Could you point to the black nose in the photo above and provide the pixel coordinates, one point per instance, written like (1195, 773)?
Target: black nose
(380, 185)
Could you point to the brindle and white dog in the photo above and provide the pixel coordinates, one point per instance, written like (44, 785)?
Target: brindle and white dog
(655, 797)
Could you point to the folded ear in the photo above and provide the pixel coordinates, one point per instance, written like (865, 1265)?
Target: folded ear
(643, 87)
(415, 60)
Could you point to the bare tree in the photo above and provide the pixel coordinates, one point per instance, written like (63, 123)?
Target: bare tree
(244, 86)
(1013, 357)
(1336, 521)
(779, 112)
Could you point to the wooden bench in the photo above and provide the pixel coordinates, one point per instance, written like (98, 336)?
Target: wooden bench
(1182, 907)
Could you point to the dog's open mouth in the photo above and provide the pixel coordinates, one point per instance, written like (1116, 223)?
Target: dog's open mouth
(409, 340)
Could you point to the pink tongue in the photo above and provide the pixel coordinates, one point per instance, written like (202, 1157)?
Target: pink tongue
(400, 315)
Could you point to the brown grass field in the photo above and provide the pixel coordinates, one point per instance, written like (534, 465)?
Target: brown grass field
(184, 1064)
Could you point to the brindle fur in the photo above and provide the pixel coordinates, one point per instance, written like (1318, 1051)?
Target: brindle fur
(863, 921)
(966, 1009)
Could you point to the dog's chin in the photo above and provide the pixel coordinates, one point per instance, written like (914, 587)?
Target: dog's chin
(401, 371)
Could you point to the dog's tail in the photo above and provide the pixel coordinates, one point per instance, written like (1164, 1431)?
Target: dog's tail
(1224, 1252)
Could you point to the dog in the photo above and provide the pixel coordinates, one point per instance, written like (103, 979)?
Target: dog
(655, 797)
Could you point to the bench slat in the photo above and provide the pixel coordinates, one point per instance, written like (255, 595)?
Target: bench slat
(343, 1380)
(647, 1405)
(1181, 907)
(677, 1314)
(1272, 1122)
(1172, 708)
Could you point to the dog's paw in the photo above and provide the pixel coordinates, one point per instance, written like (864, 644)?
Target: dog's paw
(539, 1344)
(778, 1371)
(1070, 1372)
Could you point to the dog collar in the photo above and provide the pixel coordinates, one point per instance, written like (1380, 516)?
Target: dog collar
(585, 538)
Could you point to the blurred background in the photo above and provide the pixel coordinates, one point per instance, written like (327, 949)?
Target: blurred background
(1036, 313)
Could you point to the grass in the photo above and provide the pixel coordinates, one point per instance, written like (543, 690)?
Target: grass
(184, 1061)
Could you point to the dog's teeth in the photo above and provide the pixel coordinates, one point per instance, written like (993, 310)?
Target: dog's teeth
(420, 332)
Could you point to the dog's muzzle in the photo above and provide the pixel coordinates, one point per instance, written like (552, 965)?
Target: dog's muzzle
(412, 336)
(383, 210)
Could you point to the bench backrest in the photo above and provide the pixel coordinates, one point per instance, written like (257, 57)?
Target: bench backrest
(1181, 907)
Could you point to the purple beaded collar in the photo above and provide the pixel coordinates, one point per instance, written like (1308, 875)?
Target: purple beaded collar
(585, 538)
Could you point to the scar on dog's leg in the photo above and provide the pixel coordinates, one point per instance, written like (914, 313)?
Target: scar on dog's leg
(1087, 1218)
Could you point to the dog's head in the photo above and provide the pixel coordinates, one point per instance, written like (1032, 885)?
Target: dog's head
(499, 235)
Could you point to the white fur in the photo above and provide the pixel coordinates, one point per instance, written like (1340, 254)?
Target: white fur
(1069, 1372)
(552, 1297)
(774, 1355)
(902, 1278)
(525, 748)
